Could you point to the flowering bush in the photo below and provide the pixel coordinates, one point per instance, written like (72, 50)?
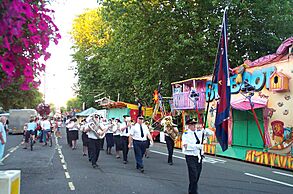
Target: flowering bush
(43, 109)
(25, 32)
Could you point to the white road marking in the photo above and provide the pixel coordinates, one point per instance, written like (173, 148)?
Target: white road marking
(268, 179)
(71, 186)
(6, 156)
(211, 160)
(206, 159)
(281, 173)
(67, 175)
(162, 153)
(62, 161)
(11, 150)
(64, 167)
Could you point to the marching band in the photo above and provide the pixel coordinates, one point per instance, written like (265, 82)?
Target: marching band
(127, 134)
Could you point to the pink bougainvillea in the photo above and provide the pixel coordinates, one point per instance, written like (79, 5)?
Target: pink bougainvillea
(25, 34)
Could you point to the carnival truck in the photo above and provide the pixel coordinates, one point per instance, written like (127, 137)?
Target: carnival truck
(18, 118)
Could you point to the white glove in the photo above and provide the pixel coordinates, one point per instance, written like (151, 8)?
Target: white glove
(151, 144)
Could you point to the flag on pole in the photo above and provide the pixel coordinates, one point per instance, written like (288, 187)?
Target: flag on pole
(221, 77)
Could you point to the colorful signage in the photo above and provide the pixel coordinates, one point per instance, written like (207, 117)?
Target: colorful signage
(258, 79)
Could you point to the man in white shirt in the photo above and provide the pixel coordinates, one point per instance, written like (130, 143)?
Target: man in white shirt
(125, 128)
(46, 127)
(2, 137)
(139, 134)
(193, 150)
(95, 139)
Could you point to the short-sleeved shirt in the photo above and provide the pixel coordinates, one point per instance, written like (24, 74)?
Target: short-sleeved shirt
(31, 126)
(46, 125)
(2, 130)
(123, 132)
(189, 138)
(116, 129)
(135, 132)
(92, 135)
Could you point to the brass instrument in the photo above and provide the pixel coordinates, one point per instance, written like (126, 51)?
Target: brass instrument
(170, 128)
(95, 127)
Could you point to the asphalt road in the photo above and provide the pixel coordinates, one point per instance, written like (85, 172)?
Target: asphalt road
(59, 169)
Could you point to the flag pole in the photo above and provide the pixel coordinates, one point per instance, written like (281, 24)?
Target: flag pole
(212, 87)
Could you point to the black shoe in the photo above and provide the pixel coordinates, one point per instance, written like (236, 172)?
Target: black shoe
(83, 154)
(95, 166)
(142, 170)
(24, 148)
(124, 162)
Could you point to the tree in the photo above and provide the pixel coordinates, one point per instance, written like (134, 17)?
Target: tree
(73, 104)
(13, 98)
(151, 40)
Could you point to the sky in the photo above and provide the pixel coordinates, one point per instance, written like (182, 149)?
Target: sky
(59, 77)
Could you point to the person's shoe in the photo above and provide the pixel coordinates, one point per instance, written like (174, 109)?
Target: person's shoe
(124, 162)
(117, 157)
(24, 148)
(1, 163)
(142, 170)
(170, 163)
(83, 154)
(95, 166)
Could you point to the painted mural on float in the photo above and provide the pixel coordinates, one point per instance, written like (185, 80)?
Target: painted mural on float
(273, 86)
(269, 83)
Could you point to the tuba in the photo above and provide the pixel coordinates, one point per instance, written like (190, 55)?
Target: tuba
(170, 128)
(95, 127)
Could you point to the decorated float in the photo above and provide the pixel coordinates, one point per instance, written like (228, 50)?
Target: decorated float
(260, 124)
(118, 109)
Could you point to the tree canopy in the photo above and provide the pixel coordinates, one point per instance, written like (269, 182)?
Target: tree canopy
(146, 41)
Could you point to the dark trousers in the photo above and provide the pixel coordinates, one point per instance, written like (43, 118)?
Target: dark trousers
(194, 170)
(139, 150)
(69, 142)
(94, 146)
(170, 147)
(102, 143)
(124, 143)
(41, 136)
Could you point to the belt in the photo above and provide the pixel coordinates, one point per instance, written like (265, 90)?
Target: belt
(139, 140)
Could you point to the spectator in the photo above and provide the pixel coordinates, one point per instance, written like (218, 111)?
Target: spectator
(2, 137)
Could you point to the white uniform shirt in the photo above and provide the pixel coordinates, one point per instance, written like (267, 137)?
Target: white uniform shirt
(136, 132)
(72, 126)
(116, 129)
(123, 133)
(110, 128)
(190, 140)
